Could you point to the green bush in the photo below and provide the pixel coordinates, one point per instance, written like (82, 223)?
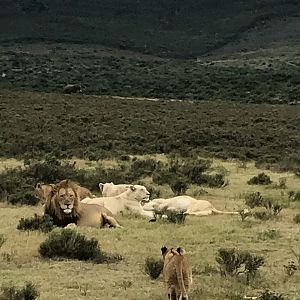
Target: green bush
(2, 240)
(294, 195)
(28, 292)
(297, 219)
(290, 268)
(69, 244)
(42, 223)
(142, 168)
(175, 217)
(24, 198)
(233, 262)
(254, 199)
(268, 295)
(260, 179)
(153, 267)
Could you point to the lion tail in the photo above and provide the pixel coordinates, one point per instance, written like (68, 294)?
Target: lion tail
(220, 212)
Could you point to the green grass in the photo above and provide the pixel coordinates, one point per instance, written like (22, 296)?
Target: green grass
(201, 237)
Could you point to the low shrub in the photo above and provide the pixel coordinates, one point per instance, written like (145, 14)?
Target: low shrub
(142, 168)
(178, 185)
(28, 292)
(175, 217)
(268, 295)
(234, 262)
(294, 195)
(297, 219)
(2, 240)
(254, 199)
(290, 268)
(270, 234)
(153, 267)
(42, 223)
(271, 208)
(68, 243)
(24, 198)
(260, 179)
(244, 213)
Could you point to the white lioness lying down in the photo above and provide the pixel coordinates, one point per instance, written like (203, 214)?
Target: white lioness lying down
(130, 201)
(110, 189)
(185, 204)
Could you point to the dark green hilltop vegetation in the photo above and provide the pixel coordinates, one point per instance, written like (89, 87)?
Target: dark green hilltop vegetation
(169, 28)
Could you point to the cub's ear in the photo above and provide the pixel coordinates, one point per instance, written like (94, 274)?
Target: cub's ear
(101, 186)
(179, 250)
(132, 187)
(38, 185)
(164, 250)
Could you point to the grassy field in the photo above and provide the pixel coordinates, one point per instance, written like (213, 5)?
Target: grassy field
(201, 237)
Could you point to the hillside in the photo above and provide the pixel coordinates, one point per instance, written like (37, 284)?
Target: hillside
(181, 29)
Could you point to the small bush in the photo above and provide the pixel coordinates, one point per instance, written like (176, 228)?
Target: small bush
(68, 243)
(42, 223)
(268, 295)
(260, 179)
(29, 292)
(24, 198)
(178, 185)
(234, 262)
(254, 199)
(142, 168)
(2, 240)
(294, 195)
(153, 267)
(297, 219)
(245, 213)
(290, 268)
(270, 234)
(175, 217)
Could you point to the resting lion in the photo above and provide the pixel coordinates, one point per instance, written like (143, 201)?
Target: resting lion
(185, 204)
(64, 206)
(42, 191)
(129, 201)
(110, 189)
(177, 273)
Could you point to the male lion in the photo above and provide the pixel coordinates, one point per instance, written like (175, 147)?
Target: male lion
(64, 206)
(177, 273)
(43, 190)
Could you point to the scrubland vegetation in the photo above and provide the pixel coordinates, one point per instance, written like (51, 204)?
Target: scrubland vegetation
(231, 256)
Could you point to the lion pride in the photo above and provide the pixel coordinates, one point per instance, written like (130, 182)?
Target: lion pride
(64, 206)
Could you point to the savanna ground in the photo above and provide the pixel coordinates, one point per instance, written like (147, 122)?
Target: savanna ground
(201, 237)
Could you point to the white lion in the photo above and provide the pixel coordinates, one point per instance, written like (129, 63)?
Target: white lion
(129, 201)
(110, 189)
(185, 204)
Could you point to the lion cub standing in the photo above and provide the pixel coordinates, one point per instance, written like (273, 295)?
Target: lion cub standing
(177, 273)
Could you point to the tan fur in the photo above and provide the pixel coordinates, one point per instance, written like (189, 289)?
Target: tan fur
(129, 201)
(186, 204)
(64, 206)
(42, 191)
(177, 273)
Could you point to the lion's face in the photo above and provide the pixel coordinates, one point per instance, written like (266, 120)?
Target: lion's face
(140, 193)
(65, 199)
